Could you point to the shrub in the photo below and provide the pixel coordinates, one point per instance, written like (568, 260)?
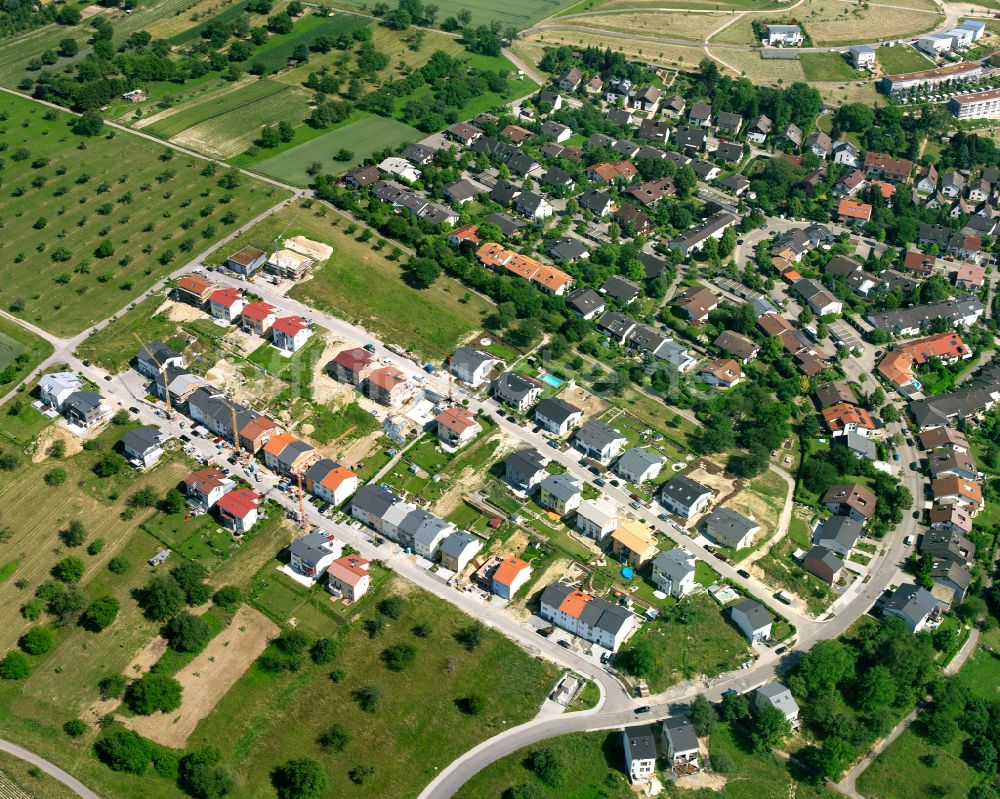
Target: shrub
(112, 686)
(95, 547)
(368, 697)
(323, 651)
(188, 633)
(74, 535)
(55, 477)
(549, 766)
(161, 598)
(123, 750)
(472, 705)
(14, 666)
(37, 641)
(337, 676)
(153, 692)
(361, 772)
(299, 779)
(399, 657)
(191, 579)
(335, 739)
(119, 565)
(202, 776)
(392, 606)
(74, 728)
(101, 613)
(228, 597)
(69, 570)
(470, 637)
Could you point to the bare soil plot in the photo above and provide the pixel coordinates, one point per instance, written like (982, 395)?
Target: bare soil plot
(208, 677)
(49, 436)
(590, 404)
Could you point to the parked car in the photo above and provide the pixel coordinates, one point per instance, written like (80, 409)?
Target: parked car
(615, 483)
(565, 644)
(743, 573)
(781, 650)
(133, 409)
(634, 505)
(916, 515)
(642, 709)
(553, 444)
(599, 482)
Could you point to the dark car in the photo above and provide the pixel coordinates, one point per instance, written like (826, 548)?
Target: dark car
(916, 515)
(615, 483)
(133, 409)
(636, 497)
(186, 439)
(781, 650)
(107, 378)
(721, 557)
(642, 709)
(743, 573)
(565, 644)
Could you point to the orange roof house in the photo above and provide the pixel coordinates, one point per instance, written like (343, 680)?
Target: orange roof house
(956, 490)
(257, 432)
(194, 289)
(465, 237)
(624, 170)
(386, 384)
(850, 211)
(897, 365)
(847, 417)
(547, 278)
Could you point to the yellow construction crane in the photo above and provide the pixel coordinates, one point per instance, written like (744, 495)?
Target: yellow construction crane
(236, 432)
(302, 501)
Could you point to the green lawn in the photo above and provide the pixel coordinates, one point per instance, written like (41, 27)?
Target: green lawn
(360, 284)
(518, 14)
(20, 352)
(901, 59)
(705, 644)
(418, 726)
(342, 425)
(69, 195)
(277, 50)
(297, 368)
(363, 137)
(114, 346)
(902, 773)
(595, 760)
(216, 105)
(31, 780)
(827, 67)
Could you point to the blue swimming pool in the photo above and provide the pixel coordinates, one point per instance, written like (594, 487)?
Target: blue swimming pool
(549, 380)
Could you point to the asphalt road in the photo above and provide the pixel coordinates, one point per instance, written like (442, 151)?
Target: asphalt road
(51, 769)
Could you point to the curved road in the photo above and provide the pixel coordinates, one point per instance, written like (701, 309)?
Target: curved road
(51, 769)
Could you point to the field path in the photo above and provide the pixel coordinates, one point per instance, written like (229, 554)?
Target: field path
(51, 769)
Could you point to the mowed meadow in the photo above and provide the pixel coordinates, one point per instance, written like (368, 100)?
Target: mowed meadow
(91, 222)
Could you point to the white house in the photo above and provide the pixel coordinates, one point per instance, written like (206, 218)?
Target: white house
(596, 518)
(638, 466)
(684, 497)
(400, 168)
(673, 572)
(458, 549)
(783, 35)
(226, 304)
(349, 577)
(238, 510)
(561, 493)
(753, 620)
(472, 366)
(154, 357)
(290, 333)
(55, 388)
(509, 576)
(862, 56)
(598, 441)
(557, 416)
(777, 695)
(640, 752)
(681, 740)
(143, 446)
(312, 554)
(592, 618)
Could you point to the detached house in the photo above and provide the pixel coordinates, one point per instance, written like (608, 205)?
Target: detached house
(54, 389)
(226, 304)
(516, 391)
(204, 488)
(697, 303)
(348, 577)
(238, 510)
(155, 357)
(561, 493)
(684, 497)
(258, 318)
(387, 386)
(598, 441)
(728, 528)
(312, 554)
(638, 466)
(753, 620)
(759, 130)
(850, 499)
(472, 366)
(143, 446)
(456, 427)
(525, 469)
(557, 416)
(596, 518)
(509, 576)
(640, 752)
(673, 572)
(290, 333)
(353, 365)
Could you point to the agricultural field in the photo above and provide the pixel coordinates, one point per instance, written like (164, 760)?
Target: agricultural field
(675, 25)
(18, 51)
(749, 64)
(20, 352)
(900, 59)
(531, 47)
(418, 724)
(363, 135)
(17, 775)
(79, 242)
(584, 6)
(840, 24)
(828, 67)
(360, 284)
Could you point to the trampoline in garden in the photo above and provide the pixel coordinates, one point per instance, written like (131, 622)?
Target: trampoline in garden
(628, 573)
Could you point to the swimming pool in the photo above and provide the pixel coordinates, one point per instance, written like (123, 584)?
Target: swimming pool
(549, 380)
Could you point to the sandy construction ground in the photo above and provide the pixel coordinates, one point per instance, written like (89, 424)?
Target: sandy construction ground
(51, 434)
(308, 247)
(208, 677)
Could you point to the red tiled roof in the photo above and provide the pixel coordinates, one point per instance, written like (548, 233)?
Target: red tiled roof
(226, 297)
(291, 325)
(239, 503)
(258, 311)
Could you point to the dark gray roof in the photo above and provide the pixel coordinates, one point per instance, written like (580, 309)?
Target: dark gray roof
(585, 301)
(594, 200)
(141, 439)
(680, 733)
(557, 177)
(615, 323)
(292, 450)
(515, 386)
(597, 435)
(311, 548)
(508, 225)
(470, 358)
(613, 618)
(843, 530)
(729, 527)
(157, 353)
(374, 500)
(684, 490)
(562, 486)
(912, 602)
(567, 248)
(951, 310)
(755, 612)
(555, 409)
(83, 401)
(827, 557)
(455, 544)
(525, 461)
(621, 288)
(641, 742)
(319, 470)
(554, 594)
(652, 265)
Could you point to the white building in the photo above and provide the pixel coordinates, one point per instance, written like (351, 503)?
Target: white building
(862, 56)
(400, 168)
(597, 518)
(54, 389)
(783, 35)
(673, 572)
(753, 619)
(640, 752)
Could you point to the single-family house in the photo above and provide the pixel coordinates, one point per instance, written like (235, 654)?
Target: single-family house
(386, 385)
(349, 577)
(516, 391)
(290, 333)
(313, 553)
(914, 605)
(722, 373)
(737, 345)
(777, 695)
(684, 497)
(557, 416)
(697, 303)
(839, 534)
(753, 620)
(561, 493)
(509, 576)
(638, 466)
(596, 518)
(783, 35)
(458, 550)
(258, 318)
(640, 752)
(203, 488)
(353, 365)
(823, 563)
(226, 304)
(585, 303)
(673, 572)
(55, 388)
(472, 366)
(598, 441)
(681, 741)
(143, 446)
(456, 427)
(154, 357)
(850, 499)
(238, 510)
(633, 543)
(525, 469)
(83, 408)
(728, 528)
